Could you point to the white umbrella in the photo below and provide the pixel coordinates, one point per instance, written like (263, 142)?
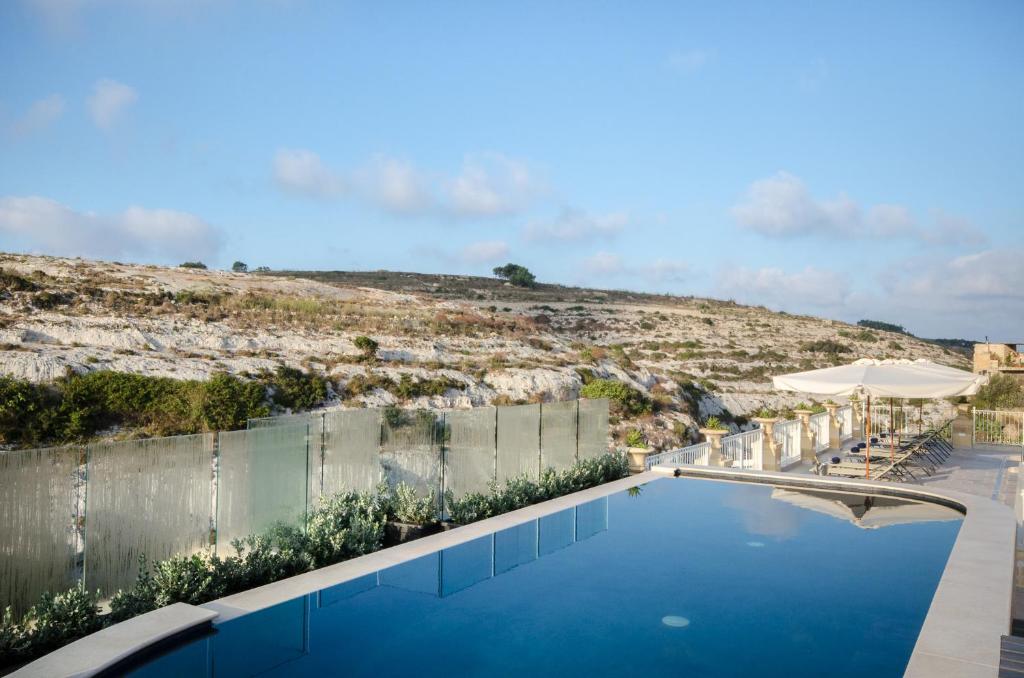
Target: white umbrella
(866, 512)
(883, 378)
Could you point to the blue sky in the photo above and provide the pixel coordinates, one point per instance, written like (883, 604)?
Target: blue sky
(848, 160)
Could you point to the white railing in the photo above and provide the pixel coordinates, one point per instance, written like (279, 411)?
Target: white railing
(901, 421)
(744, 450)
(787, 438)
(819, 427)
(845, 415)
(694, 455)
(993, 427)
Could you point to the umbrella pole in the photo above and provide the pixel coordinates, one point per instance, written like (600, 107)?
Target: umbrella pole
(892, 439)
(867, 439)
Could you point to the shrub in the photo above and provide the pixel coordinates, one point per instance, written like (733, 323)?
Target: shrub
(296, 389)
(407, 507)
(365, 383)
(240, 267)
(193, 264)
(627, 401)
(1002, 392)
(885, 327)
(367, 346)
(714, 423)
(15, 282)
(58, 619)
(635, 438)
(518, 275)
(519, 492)
(824, 346)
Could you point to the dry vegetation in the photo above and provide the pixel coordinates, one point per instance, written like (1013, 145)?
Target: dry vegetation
(444, 341)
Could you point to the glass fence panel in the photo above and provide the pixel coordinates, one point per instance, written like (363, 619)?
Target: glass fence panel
(593, 428)
(518, 442)
(469, 450)
(263, 479)
(410, 450)
(39, 493)
(148, 497)
(558, 435)
(351, 451)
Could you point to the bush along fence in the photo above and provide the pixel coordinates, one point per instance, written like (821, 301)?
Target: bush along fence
(340, 526)
(85, 514)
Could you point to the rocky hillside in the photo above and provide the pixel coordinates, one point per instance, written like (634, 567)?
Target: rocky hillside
(444, 341)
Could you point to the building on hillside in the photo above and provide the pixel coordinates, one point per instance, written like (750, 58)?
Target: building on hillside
(1004, 358)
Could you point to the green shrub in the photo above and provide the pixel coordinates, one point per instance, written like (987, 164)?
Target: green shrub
(714, 423)
(1002, 392)
(193, 264)
(15, 282)
(635, 438)
(367, 346)
(297, 390)
(407, 507)
(518, 275)
(58, 619)
(519, 492)
(627, 401)
(240, 267)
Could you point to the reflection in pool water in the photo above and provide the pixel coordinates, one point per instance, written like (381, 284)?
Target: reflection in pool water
(660, 583)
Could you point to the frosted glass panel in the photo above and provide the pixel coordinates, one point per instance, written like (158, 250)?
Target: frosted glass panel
(151, 497)
(284, 420)
(593, 428)
(410, 452)
(38, 507)
(518, 441)
(469, 450)
(263, 478)
(558, 435)
(351, 451)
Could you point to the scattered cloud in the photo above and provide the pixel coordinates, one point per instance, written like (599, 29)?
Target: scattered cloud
(782, 206)
(487, 184)
(689, 61)
(576, 225)
(484, 252)
(40, 114)
(47, 226)
(813, 287)
(302, 172)
(491, 184)
(604, 264)
(108, 102)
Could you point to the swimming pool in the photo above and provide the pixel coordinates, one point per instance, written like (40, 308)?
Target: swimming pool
(678, 576)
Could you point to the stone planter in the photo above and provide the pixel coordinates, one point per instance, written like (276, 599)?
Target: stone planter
(637, 458)
(714, 436)
(396, 533)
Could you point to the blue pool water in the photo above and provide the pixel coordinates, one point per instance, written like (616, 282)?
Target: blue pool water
(684, 577)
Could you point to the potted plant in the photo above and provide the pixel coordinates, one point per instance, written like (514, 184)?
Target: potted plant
(410, 516)
(637, 449)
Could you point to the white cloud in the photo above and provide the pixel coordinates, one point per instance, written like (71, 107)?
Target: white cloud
(487, 185)
(491, 184)
(774, 287)
(108, 102)
(688, 61)
(782, 206)
(395, 186)
(664, 270)
(47, 226)
(604, 264)
(39, 115)
(483, 252)
(576, 225)
(301, 171)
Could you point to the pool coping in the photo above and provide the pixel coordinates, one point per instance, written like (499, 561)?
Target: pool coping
(960, 635)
